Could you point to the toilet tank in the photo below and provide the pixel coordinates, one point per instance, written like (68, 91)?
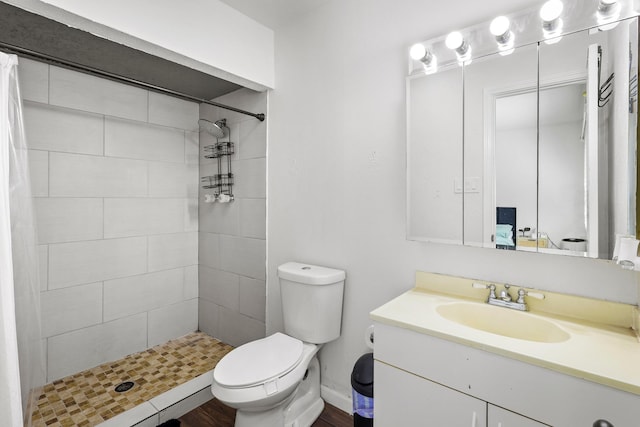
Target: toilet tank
(311, 301)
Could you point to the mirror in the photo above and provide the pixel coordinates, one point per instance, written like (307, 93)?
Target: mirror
(500, 147)
(593, 156)
(433, 160)
(549, 147)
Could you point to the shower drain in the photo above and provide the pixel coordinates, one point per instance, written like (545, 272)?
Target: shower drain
(125, 386)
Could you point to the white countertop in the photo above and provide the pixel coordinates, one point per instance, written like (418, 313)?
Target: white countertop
(605, 354)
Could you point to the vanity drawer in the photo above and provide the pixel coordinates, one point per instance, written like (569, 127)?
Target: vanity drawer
(551, 397)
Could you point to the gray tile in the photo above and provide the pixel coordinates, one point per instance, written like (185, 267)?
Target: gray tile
(191, 205)
(170, 111)
(208, 317)
(58, 129)
(173, 250)
(68, 219)
(253, 218)
(253, 295)
(43, 266)
(97, 260)
(173, 321)
(68, 309)
(250, 178)
(34, 80)
(221, 218)
(190, 290)
(93, 94)
(173, 180)
(191, 148)
(220, 287)
(135, 140)
(39, 173)
(209, 249)
(236, 329)
(252, 141)
(136, 294)
(85, 348)
(76, 175)
(138, 216)
(243, 256)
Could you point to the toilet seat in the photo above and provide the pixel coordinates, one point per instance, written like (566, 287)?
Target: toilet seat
(259, 362)
(268, 385)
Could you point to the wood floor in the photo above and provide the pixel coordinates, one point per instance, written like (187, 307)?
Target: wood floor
(215, 414)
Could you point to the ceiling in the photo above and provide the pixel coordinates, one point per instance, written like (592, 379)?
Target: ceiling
(32, 35)
(29, 32)
(274, 13)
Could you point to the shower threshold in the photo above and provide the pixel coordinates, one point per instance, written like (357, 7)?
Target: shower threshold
(168, 380)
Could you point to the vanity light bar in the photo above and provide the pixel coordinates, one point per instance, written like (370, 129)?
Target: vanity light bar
(550, 14)
(546, 23)
(456, 42)
(501, 29)
(429, 61)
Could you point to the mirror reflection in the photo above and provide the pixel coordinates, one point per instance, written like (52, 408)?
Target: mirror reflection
(499, 163)
(549, 147)
(600, 199)
(433, 160)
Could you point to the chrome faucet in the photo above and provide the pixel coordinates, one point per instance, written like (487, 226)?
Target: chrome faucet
(505, 300)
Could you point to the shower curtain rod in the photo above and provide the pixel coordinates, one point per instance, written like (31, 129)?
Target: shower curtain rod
(115, 77)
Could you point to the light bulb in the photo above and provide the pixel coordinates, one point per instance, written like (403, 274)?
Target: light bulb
(500, 26)
(551, 23)
(504, 36)
(430, 64)
(429, 61)
(454, 40)
(607, 14)
(551, 10)
(417, 51)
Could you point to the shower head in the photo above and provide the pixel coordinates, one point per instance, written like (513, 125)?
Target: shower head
(215, 129)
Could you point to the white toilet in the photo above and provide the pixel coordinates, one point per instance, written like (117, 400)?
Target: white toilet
(275, 381)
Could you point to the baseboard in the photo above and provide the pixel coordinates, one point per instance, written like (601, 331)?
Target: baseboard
(336, 399)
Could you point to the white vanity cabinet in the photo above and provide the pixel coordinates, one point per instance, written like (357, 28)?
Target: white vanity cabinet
(422, 380)
(405, 399)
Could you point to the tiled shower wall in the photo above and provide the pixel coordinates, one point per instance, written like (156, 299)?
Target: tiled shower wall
(114, 175)
(232, 249)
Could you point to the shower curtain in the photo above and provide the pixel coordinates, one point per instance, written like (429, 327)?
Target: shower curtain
(21, 355)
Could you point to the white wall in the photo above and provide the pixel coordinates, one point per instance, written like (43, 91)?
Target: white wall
(206, 35)
(561, 208)
(516, 157)
(336, 169)
(114, 175)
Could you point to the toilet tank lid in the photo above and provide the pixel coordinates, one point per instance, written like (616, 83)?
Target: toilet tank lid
(310, 274)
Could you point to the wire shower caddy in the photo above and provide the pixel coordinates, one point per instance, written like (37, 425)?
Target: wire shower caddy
(222, 182)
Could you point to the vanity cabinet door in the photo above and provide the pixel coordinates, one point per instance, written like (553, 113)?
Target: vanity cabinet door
(404, 399)
(498, 417)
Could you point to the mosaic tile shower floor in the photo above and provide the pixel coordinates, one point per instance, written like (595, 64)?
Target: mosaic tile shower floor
(88, 398)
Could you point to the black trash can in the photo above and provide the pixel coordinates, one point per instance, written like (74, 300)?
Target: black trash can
(362, 391)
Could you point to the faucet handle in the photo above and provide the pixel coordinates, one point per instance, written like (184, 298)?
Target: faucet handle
(522, 293)
(491, 287)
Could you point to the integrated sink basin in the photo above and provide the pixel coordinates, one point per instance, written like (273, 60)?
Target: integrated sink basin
(503, 321)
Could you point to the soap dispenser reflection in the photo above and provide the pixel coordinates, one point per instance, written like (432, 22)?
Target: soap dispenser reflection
(625, 252)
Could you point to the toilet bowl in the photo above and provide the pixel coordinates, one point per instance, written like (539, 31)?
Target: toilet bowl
(275, 381)
(255, 389)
